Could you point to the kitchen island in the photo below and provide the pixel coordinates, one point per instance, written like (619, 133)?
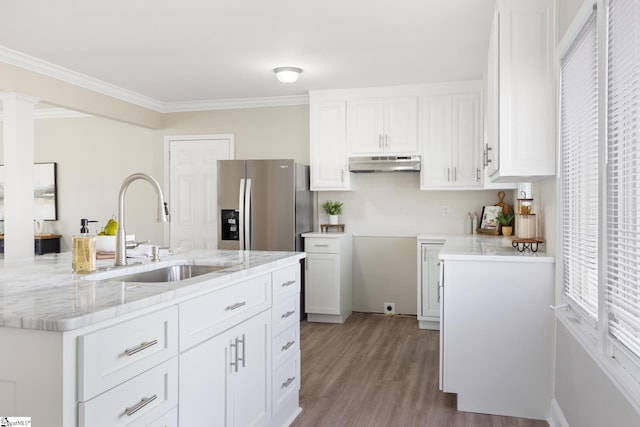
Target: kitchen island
(496, 328)
(95, 350)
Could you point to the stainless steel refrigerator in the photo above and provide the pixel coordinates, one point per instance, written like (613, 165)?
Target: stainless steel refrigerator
(263, 204)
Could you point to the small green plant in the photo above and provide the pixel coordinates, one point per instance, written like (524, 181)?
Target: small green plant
(503, 219)
(332, 208)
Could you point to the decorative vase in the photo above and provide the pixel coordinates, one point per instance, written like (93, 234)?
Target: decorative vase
(507, 230)
(333, 219)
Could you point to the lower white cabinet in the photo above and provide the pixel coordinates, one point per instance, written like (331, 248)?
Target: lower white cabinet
(429, 284)
(497, 336)
(225, 380)
(328, 291)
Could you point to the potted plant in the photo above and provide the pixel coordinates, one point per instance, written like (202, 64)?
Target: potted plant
(333, 209)
(505, 221)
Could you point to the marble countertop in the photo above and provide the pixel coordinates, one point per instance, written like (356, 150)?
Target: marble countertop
(485, 248)
(43, 293)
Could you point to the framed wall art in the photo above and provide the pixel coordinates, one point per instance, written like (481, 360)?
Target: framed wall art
(45, 203)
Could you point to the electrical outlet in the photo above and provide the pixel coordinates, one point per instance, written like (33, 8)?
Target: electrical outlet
(445, 210)
(389, 308)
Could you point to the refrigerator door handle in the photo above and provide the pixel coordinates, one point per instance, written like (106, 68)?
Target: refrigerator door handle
(241, 214)
(247, 215)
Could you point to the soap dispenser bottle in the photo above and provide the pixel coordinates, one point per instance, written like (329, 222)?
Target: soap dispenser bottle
(83, 258)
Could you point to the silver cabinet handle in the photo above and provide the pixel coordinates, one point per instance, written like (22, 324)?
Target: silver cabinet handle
(438, 291)
(342, 175)
(287, 346)
(144, 402)
(321, 246)
(289, 283)
(234, 363)
(477, 174)
(288, 382)
(288, 314)
(243, 342)
(455, 174)
(142, 346)
(386, 141)
(380, 141)
(448, 174)
(235, 306)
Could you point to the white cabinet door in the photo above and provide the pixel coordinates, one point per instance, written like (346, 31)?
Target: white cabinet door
(365, 123)
(466, 140)
(521, 50)
(226, 379)
(429, 285)
(383, 125)
(322, 285)
(451, 135)
(328, 144)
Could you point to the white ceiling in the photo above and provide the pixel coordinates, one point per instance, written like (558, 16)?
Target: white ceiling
(198, 50)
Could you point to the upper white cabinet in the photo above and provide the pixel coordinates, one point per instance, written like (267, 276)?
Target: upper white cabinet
(451, 135)
(328, 150)
(520, 107)
(382, 125)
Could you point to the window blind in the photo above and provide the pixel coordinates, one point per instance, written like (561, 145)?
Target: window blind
(623, 174)
(579, 157)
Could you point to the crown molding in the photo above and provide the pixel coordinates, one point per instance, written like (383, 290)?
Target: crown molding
(51, 70)
(232, 104)
(39, 66)
(54, 113)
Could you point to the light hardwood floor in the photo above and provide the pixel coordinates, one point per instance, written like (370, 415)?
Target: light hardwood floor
(379, 371)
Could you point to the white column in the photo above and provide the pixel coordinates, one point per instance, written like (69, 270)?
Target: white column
(18, 174)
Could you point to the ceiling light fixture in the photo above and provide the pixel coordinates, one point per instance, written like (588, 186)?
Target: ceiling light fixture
(287, 74)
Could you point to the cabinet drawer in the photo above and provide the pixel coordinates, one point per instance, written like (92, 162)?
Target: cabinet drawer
(286, 382)
(170, 419)
(285, 314)
(114, 354)
(139, 401)
(206, 316)
(322, 246)
(285, 345)
(286, 283)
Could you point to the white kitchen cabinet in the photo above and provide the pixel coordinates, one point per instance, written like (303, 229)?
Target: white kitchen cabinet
(451, 138)
(520, 141)
(429, 283)
(328, 288)
(382, 125)
(497, 335)
(328, 145)
(225, 380)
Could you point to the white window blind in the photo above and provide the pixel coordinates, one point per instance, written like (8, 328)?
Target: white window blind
(623, 170)
(579, 156)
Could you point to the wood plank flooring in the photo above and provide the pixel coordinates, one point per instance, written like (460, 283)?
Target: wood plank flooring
(379, 371)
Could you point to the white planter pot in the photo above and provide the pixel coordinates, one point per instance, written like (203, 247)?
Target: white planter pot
(333, 219)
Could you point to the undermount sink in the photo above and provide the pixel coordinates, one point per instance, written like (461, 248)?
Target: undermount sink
(172, 273)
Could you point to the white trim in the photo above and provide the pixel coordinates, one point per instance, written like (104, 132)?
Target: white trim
(39, 66)
(230, 104)
(54, 113)
(610, 367)
(557, 419)
(585, 11)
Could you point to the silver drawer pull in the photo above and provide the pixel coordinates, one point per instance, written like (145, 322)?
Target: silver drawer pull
(144, 402)
(289, 283)
(288, 382)
(236, 305)
(287, 346)
(288, 314)
(143, 346)
(321, 246)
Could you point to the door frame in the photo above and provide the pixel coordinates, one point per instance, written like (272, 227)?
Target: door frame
(167, 173)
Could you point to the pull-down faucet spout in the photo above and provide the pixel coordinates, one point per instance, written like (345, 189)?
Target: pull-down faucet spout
(121, 234)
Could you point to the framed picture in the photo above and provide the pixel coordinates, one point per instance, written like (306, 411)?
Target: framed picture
(489, 215)
(45, 204)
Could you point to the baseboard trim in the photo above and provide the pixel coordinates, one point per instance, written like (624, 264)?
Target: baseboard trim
(557, 418)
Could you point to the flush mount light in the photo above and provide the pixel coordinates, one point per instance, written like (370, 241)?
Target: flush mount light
(287, 74)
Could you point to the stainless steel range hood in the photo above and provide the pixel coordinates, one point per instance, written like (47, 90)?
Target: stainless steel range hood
(381, 164)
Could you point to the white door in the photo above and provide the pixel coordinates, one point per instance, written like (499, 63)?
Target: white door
(193, 199)
(322, 284)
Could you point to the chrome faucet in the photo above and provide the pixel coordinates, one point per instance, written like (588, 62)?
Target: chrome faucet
(121, 234)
